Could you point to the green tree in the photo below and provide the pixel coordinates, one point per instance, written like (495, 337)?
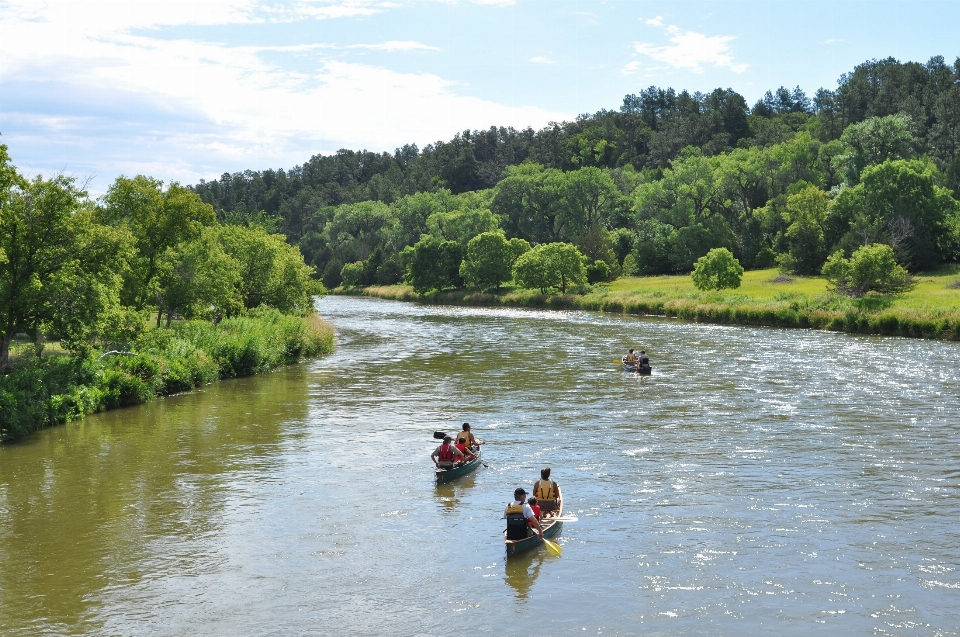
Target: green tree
(198, 279)
(434, 264)
(488, 262)
(872, 268)
(59, 269)
(806, 212)
(157, 219)
(352, 273)
(272, 271)
(900, 204)
(529, 201)
(874, 141)
(551, 265)
(462, 225)
(716, 270)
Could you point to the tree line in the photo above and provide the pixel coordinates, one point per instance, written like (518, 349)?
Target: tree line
(648, 188)
(90, 272)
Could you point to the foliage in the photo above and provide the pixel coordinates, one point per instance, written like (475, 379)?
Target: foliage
(352, 274)
(156, 219)
(899, 203)
(716, 270)
(874, 141)
(552, 265)
(488, 262)
(806, 212)
(872, 268)
(59, 270)
(44, 391)
(434, 264)
(198, 279)
(271, 271)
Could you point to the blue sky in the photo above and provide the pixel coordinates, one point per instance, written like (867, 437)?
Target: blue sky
(189, 90)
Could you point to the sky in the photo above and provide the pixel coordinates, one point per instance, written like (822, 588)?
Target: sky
(184, 91)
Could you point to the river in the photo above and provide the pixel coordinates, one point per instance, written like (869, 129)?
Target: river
(761, 481)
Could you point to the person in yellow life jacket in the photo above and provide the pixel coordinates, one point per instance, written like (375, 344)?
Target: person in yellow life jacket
(467, 438)
(630, 357)
(547, 492)
(446, 454)
(520, 517)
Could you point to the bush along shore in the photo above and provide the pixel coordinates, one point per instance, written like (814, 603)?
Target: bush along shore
(39, 392)
(766, 298)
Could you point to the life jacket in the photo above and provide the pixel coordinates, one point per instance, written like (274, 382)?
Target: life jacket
(446, 453)
(545, 490)
(463, 438)
(462, 447)
(516, 522)
(536, 513)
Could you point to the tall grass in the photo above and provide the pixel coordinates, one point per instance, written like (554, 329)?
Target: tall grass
(45, 391)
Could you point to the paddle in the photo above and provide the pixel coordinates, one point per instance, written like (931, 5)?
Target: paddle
(553, 548)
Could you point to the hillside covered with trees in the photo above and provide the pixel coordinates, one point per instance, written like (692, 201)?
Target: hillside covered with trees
(663, 179)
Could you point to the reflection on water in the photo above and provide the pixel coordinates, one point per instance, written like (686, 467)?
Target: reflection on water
(450, 493)
(738, 490)
(521, 570)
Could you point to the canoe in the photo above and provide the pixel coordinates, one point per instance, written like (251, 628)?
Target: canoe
(643, 370)
(446, 475)
(550, 530)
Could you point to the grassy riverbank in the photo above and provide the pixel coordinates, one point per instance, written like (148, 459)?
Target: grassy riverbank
(58, 388)
(931, 310)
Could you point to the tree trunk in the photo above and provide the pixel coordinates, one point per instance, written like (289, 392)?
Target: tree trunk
(5, 351)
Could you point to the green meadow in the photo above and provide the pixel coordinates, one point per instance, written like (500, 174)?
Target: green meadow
(765, 297)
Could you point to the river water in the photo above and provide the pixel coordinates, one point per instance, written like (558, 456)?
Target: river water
(761, 481)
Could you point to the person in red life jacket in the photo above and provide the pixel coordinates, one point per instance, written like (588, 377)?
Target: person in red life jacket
(532, 501)
(462, 448)
(446, 454)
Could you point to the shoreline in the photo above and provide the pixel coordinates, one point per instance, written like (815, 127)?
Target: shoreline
(800, 303)
(54, 390)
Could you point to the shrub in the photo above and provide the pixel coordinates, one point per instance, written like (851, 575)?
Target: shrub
(872, 268)
(716, 270)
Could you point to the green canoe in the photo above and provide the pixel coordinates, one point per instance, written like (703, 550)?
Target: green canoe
(446, 475)
(550, 527)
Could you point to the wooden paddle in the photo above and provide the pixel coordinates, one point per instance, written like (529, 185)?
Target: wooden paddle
(553, 548)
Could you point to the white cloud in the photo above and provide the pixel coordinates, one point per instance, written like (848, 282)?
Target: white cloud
(655, 22)
(395, 45)
(630, 68)
(129, 100)
(541, 60)
(690, 50)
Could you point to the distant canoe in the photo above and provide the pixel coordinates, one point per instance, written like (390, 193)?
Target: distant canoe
(643, 370)
(551, 528)
(446, 475)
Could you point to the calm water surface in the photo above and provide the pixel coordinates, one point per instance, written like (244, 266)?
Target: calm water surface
(760, 482)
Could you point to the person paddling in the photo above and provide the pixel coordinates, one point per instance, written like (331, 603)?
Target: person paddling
(630, 357)
(446, 454)
(547, 492)
(467, 438)
(520, 517)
